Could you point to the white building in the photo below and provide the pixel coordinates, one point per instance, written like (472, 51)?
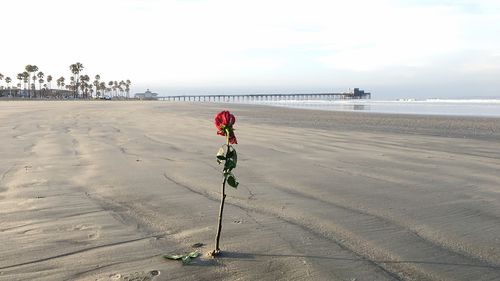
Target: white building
(148, 95)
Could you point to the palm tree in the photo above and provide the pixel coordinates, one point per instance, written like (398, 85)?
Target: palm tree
(60, 85)
(40, 76)
(110, 84)
(27, 69)
(102, 86)
(33, 86)
(76, 68)
(20, 78)
(84, 85)
(26, 77)
(40, 81)
(49, 79)
(72, 85)
(8, 80)
(30, 69)
(60, 82)
(26, 80)
(96, 84)
(34, 69)
(127, 87)
(115, 87)
(120, 87)
(1, 76)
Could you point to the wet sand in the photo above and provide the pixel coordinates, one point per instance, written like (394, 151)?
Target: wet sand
(100, 190)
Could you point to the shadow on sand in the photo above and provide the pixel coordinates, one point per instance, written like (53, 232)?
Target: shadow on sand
(252, 256)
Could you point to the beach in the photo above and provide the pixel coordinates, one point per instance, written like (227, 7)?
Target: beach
(96, 190)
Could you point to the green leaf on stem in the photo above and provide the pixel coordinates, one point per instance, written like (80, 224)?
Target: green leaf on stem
(232, 154)
(235, 158)
(229, 165)
(231, 180)
(230, 151)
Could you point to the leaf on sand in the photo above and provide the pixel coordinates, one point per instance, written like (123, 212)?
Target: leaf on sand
(173, 257)
(193, 254)
(186, 258)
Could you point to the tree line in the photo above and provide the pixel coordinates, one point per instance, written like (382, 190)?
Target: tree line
(33, 83)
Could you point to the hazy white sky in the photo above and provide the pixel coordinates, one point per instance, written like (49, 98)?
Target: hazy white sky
(393, 48)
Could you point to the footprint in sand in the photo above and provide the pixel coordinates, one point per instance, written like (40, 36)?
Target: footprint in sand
(93, 230)
(83, 227)
(140, 276)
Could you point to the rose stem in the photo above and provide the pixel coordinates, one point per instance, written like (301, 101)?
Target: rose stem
(217, 238)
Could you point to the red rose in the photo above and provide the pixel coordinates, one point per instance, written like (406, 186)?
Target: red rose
(224, 122)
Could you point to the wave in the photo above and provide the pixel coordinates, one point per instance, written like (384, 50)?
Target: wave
(464, 100)
(414, 101)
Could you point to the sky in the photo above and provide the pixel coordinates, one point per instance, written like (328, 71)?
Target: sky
(394, 49)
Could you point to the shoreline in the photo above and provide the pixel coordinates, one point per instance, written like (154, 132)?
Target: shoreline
(395, 107)
(96, 191)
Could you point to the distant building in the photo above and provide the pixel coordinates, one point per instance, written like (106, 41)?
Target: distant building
(148, 95)
(360, 94)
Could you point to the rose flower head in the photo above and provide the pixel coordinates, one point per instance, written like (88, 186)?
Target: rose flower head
(224, 122)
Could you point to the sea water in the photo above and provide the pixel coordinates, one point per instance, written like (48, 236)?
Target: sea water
(469, 107)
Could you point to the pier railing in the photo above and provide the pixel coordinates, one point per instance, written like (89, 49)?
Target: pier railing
(266, 97)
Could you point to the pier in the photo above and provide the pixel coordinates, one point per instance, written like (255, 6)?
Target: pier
(356, 94)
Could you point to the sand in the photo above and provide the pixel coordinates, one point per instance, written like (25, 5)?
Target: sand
(100, 190)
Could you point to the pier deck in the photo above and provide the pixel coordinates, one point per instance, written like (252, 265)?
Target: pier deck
(267, 97)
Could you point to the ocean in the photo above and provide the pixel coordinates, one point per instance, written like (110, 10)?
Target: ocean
(451, 107)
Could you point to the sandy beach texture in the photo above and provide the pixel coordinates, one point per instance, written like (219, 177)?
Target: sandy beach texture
(100, 190)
